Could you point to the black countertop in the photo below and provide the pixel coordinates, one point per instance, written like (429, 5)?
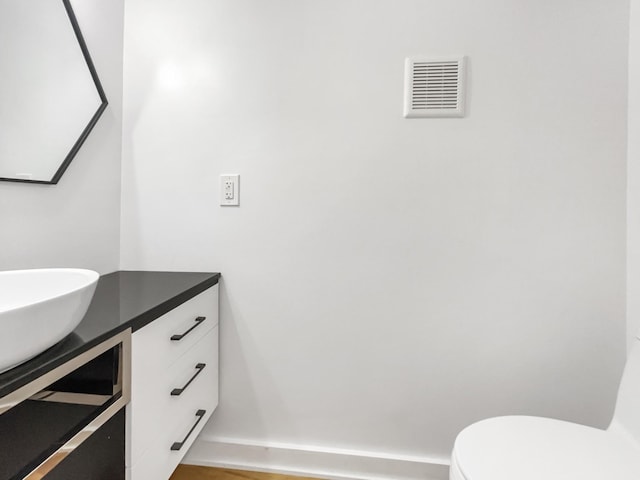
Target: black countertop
(122, 300)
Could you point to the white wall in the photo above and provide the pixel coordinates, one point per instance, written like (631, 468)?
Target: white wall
(386, 281)
(633, 176)
(76, 222)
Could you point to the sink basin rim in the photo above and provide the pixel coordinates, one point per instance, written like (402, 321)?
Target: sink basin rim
(89, 276)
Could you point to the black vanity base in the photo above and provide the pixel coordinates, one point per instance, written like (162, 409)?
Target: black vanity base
(101, 457)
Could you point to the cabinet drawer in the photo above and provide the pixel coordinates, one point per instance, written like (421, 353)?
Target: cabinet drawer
(159, 461)
(152, 347)
(154, 410)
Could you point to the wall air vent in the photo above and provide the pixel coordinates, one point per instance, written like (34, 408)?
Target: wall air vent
(434, 87)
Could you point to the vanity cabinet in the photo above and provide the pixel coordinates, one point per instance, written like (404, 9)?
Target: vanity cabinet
(174, 386)
(126, 393)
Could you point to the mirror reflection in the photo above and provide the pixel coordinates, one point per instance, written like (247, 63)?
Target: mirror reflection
(50, 96)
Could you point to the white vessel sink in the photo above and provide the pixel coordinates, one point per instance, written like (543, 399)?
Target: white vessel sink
(38, 308)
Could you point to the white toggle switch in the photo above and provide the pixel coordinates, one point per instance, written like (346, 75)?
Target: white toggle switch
(229, 190)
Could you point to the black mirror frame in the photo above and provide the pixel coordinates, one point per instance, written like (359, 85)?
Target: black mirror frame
(87, 130)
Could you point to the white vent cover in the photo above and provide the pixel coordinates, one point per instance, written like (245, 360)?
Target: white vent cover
(434, 87)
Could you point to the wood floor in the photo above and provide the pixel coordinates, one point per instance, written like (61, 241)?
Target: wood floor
(190, 472)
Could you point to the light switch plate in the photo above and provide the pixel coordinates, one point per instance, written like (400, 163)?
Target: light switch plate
(229, 190)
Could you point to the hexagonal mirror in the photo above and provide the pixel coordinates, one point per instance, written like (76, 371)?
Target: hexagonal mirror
(50, 94)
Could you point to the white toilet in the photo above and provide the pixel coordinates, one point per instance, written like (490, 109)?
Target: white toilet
(535, 448)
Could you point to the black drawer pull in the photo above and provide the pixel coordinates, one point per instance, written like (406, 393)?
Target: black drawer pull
(178, 445)
(178, 391)
(199, 320)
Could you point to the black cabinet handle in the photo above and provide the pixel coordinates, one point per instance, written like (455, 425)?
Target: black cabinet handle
(178, 445)
(178, 391)
(199, 321)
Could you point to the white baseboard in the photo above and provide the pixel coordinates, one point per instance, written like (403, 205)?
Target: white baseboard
(330, 464)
